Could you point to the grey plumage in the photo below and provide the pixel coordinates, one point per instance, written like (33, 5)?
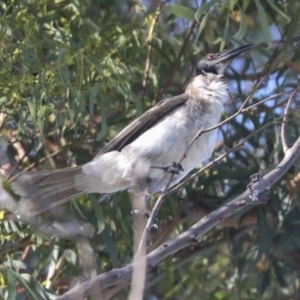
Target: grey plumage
(159, 137)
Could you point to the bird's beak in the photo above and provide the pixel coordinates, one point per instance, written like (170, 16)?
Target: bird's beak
(228, 56)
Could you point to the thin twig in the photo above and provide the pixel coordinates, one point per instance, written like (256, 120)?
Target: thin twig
(283, 126)
(264, 100)
(14, 170)
(177, 60)
(149, 52)
(242, 108)
(43, 159)
(13, 176)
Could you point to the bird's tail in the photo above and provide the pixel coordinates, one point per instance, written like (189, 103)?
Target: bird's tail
(43, 190)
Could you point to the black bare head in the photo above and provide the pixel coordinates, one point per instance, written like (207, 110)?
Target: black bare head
(217, 63)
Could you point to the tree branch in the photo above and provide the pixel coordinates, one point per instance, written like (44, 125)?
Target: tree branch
(149, 51)
(249, 197)
(283, 126)
(177, 60)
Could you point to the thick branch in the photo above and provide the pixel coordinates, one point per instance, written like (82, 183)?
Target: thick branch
(249, 197)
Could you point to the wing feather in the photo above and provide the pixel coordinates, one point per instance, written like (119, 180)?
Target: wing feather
(144, 122)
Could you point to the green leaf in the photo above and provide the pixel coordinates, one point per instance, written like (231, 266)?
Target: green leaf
(275, 7)
(279, 272)
(42, 111)
(3, 99)
(203, 8)
(284, 242)
(92, 99)
(232, 4)
(293, 25)
(11, 284)
(263, 281)
(15, 264)
(31, 110)
(243, 26)
(24, 283)
(181, 11)
(264, 234)
(264, 22)
(99, 214)
(161, 51)
(110, 246)
(245, 4)
(202, 26)
(104, 127)
(225, 34)
(70, 256)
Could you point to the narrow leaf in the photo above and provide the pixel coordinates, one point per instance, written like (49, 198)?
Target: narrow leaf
(293, 25)
(14, 264)
(232, 4)
(245, 4)
(275, 7)
(201, 26)
(11, 285)
(225, 34)
(31, 110)
(279, 272)
(181, 11)
(99, 214)
(203, 8)
(92, 98)
(42, 111)
(243, 26)
(264, 21)
(110, 246)
(23, 282)
(104, 127)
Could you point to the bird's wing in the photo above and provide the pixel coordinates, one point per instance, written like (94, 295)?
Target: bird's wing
(144, 122)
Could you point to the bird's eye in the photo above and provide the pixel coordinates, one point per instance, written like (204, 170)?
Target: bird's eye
(211, 56)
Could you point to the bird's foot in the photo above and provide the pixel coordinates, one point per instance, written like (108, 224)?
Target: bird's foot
(254, 178)
(174, 168)
(145, 213)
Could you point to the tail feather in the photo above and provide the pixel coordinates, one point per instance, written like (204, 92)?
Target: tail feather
(49, 177)
(43, 190)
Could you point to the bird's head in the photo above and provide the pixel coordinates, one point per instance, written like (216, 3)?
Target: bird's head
(217, 63)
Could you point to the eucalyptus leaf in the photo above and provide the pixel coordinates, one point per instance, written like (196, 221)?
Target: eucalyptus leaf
(181, 11)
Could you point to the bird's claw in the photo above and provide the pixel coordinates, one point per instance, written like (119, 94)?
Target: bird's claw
(174, 168)
(254, 178)
(145, 213)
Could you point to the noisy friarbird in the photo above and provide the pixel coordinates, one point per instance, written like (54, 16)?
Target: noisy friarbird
(141, 153)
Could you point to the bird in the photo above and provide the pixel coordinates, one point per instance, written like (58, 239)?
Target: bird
(145, 154)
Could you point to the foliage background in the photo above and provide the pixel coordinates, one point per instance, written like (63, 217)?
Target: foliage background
(74, 73)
